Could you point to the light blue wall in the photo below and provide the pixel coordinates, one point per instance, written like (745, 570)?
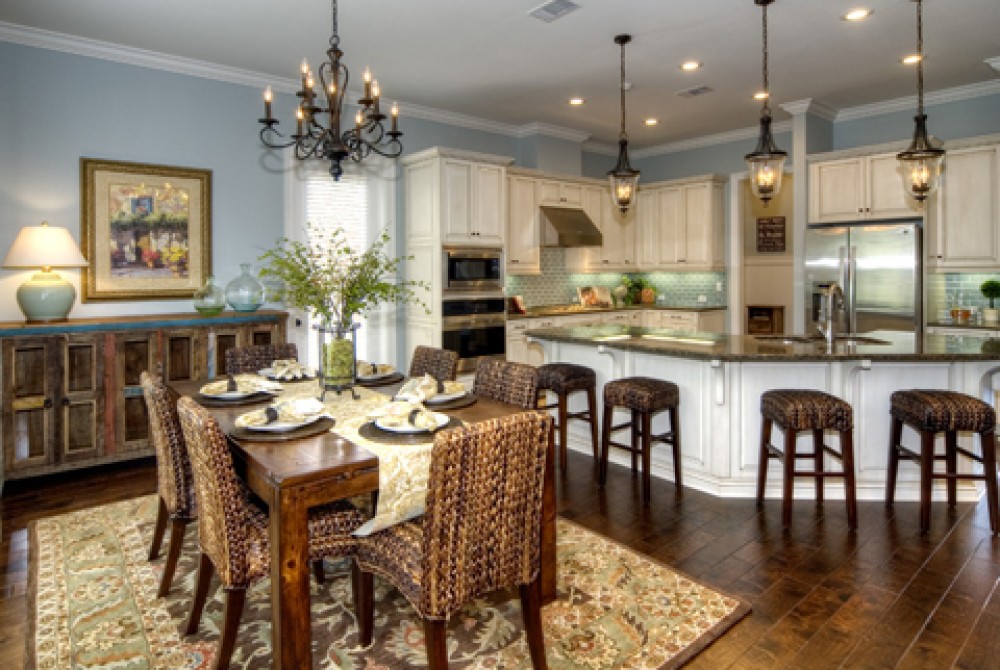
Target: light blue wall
(58, 108)
(949, 121)
(550, 154)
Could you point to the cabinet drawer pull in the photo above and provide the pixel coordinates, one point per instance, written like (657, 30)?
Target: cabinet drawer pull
(65, 402)
(47, 404)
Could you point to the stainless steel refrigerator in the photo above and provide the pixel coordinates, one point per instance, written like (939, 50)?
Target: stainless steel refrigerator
(878, 265)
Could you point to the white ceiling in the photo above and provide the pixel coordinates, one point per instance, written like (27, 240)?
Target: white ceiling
(489, 59)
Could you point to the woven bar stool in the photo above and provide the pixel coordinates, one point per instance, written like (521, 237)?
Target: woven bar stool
(644, 397)
(930, 412)
(795, 410)
(564, 379)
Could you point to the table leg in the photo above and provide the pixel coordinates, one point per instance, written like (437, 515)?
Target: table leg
(548, 542)
(291, 634)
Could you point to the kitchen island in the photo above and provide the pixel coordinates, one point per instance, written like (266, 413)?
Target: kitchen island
(721, 378)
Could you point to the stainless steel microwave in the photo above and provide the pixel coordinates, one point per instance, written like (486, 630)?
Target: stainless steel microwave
(472, 269)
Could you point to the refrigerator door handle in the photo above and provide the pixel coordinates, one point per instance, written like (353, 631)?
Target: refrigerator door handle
(851, 288)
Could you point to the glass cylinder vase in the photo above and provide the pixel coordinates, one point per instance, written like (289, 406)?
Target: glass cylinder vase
(245, 293)
(338, 358)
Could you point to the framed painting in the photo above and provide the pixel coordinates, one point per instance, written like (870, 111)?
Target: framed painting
(146, 230)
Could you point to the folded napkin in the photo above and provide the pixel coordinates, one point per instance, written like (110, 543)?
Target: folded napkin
(366, 369)
(245, 383)
(399, 413)
(294, 411)
(289, 369)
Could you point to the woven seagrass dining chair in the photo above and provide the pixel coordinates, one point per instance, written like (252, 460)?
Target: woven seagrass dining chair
(507, 381)
(233, 531)
(442, 364)
(174, 485)
(480, 532)
(257, 357)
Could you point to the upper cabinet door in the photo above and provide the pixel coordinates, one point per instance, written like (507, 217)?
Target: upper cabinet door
(963, 217)
(648, 232)
(673, 226)
(523, 223)
(699, 233)
(456, 214)
(887, 197)
(835, 191)
(489, 197)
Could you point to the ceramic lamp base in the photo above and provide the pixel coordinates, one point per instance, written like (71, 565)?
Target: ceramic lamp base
(46, 297)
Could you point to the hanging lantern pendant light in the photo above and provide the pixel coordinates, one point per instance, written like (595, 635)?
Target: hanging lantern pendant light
(624, 180)
(767, 162)
(921, 161)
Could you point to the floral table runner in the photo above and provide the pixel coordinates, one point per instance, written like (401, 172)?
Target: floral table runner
(403, 469)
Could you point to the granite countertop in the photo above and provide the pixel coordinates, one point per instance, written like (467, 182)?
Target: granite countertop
(567, 310)
(893, 346)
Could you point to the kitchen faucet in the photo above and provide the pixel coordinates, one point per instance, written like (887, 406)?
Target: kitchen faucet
(833, 299)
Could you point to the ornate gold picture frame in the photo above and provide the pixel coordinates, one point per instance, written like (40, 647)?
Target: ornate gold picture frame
(145, 229)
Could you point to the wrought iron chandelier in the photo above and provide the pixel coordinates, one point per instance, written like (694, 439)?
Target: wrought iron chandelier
(767, 161)
(921, 161)
(318, 131)
(624, 180)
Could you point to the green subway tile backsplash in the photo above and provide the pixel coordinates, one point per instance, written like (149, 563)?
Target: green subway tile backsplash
(556, 285)
(947, 289)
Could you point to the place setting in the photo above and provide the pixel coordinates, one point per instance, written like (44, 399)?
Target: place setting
(237, 390)
(435, 393)
(288, 419)
(377, 374)
(287, 370)
(405, 421)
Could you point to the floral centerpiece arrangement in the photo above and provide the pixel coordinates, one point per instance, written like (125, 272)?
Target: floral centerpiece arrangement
(336, 282)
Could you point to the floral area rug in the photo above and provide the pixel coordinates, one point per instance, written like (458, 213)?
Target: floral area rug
(93, 604)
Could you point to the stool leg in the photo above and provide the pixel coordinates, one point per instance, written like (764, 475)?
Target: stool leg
(818, 460)
(951, 464)
(895, 435)
(592, 410)
(850, 489)
(765, 458)
(926, 475)
(788, 477)
(988, 444)
(675, 432)
(647, 447)
(602, 470)
(635, 438)
(562, 431)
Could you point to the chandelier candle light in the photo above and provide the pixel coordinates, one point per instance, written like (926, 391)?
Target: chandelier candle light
(767, 161)
(624, 180)
(921, 161)
(318, 132)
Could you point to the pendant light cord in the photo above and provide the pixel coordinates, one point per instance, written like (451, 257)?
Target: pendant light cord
(334, 36)
(920, 57)
(621, 87)
(767, 88)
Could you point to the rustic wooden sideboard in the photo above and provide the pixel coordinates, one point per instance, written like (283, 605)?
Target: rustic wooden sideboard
(70, 390)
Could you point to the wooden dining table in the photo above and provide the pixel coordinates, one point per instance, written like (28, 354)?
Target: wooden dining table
(294, 475)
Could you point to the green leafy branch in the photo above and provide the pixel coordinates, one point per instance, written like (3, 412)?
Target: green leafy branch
(335, 282)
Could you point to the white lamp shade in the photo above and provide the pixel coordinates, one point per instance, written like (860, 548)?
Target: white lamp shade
(44, 246)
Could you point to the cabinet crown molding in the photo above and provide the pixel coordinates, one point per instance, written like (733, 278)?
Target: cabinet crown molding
(460, 154)
(895, 147)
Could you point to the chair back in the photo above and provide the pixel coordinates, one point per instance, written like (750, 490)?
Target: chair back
(442, 364)
(224, 514)
(507, 381)
(483, 517)
(173, 467)
(257, 357)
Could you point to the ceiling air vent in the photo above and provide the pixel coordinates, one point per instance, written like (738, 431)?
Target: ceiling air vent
(695, 91)
(551, 11)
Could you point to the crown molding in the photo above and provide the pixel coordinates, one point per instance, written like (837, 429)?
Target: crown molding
(909, 103)
(993, 63)
(810, 106)
(711, 140)
(595, 147)
(558, 132)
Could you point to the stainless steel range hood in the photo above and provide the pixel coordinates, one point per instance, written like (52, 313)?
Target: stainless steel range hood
(573, 228)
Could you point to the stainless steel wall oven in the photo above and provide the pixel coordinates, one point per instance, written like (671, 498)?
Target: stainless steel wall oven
(474, 328)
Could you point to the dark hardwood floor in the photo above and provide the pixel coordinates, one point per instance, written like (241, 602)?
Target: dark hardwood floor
(822, 597)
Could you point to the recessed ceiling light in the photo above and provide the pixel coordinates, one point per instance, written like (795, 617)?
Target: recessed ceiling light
(912, 59)
(576, 102)
(760, 95)
(651, 121)
(859, 14)
(690, 65)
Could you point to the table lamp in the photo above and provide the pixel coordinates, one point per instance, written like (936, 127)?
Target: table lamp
(46, 296)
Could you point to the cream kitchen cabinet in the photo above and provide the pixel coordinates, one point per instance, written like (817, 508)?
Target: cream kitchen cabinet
(707, 321)
(456, 198)
(681, 226)
(964, 216)
(561, 193)
(858, 188)
(617, 253)
(523, 251)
